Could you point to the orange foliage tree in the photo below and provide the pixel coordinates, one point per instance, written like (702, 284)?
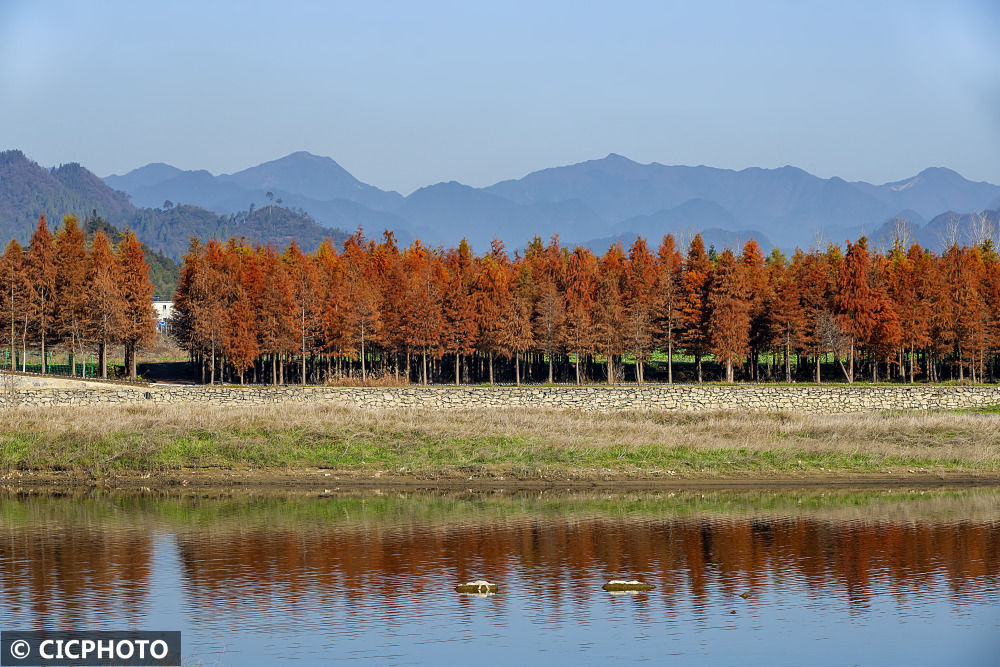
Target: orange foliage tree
(136, 318)
(729, 324)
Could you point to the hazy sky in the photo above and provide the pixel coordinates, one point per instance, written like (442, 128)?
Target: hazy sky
(404, 94)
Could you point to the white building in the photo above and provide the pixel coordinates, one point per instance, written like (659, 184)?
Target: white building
(164, 311)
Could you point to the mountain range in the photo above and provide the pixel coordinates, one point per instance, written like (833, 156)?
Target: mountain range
(594, 202)
(28, 190)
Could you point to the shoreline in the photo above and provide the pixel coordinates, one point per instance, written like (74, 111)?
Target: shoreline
(313, 478)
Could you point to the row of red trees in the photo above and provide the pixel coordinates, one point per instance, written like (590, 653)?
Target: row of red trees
(83, 294)
(445, 314)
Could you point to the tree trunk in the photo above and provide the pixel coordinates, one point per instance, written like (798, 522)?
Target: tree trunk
(847, 375)
(850, 375)
(102, 353)
(670, 360)
(788, 360)
(423, 356)
(517, 368)
(303, 359)
(697, 359)
(491, 368)
(363, 369)
(458, 366)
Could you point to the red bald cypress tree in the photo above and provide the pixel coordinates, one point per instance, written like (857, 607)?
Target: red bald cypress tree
(854, 300)
(578, 328)
(240, 340)
(42, 274)
(423, 320)
(609, 315)
(640, 306)
(492, 289)
(137, 319)
(550, 306)
(696, 280)
(304, 277)
(912, 308)
(729, 324)
(387, 266)
(103, 297)
(760, 297)
(70, 297)
(15, 297)
(459, 305)
(362, 299)
(961, 313)
(276, 312)
(667, 298)
(785, 315)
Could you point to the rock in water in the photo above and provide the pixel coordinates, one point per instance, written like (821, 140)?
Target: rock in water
(622, 585)
(480, 586)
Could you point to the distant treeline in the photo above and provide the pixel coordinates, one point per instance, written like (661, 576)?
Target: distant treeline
(425, 314)
(83, 294)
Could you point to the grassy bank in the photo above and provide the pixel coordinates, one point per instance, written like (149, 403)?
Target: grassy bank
(514, 443)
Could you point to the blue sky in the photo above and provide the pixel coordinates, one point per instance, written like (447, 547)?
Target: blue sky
(404, 94)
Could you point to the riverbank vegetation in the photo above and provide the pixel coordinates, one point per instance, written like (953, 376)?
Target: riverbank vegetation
(504, 443)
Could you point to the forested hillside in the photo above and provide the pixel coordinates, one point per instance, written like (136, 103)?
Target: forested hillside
(28, 191)
(170, 229)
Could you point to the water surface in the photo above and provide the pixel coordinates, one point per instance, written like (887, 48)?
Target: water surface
(812, 577)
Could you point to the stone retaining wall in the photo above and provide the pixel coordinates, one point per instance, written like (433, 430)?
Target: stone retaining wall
(754, 398)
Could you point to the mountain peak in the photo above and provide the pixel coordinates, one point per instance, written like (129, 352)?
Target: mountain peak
(939, 171)
(615, 160)
(303, 156)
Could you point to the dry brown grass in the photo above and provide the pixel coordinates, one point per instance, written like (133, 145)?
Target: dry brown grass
(372, 379)
(519, 441)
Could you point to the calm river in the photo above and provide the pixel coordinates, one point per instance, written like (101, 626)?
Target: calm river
(811, 577)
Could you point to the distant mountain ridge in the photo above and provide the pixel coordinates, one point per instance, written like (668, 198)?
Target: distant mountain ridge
(28, 191)
(588, 202)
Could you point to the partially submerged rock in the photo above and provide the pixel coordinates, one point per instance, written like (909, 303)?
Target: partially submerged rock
(480, 586)
(622, 585)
